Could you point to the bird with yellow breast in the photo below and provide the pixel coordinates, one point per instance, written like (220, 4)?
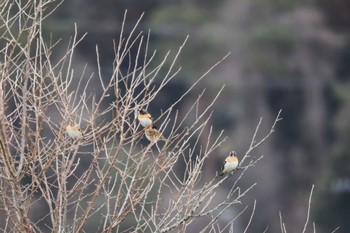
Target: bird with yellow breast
(153, 135)
(230, 163)
(74, 131)
(144, 118)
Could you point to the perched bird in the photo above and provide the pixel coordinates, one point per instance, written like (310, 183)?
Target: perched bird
(153, 135)
(145, 118)
(74, 131)
(230, 164)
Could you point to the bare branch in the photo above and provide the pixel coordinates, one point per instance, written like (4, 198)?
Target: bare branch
(308, 209)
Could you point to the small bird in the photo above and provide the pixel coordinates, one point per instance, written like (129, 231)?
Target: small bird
(74, 131)
(153, 135)
(145, 118)
(230, 164)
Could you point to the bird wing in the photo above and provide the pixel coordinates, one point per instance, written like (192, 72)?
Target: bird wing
(223, 166)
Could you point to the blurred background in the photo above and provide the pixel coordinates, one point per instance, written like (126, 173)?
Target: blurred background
(292, 55)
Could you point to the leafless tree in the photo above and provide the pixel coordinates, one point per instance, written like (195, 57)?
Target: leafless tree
(122, 185)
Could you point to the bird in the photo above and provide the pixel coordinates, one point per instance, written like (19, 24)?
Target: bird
(153, 135)
(74, 131)
(230, 163)
(144, 118)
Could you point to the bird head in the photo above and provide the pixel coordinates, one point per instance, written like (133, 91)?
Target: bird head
(74, 125)
(233, 154)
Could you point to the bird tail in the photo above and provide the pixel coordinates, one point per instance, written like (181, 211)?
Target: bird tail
(220, 175)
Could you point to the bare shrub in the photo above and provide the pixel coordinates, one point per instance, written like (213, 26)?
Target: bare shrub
(107, 181)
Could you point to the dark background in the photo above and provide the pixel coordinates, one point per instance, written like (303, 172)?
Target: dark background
(285, 54)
